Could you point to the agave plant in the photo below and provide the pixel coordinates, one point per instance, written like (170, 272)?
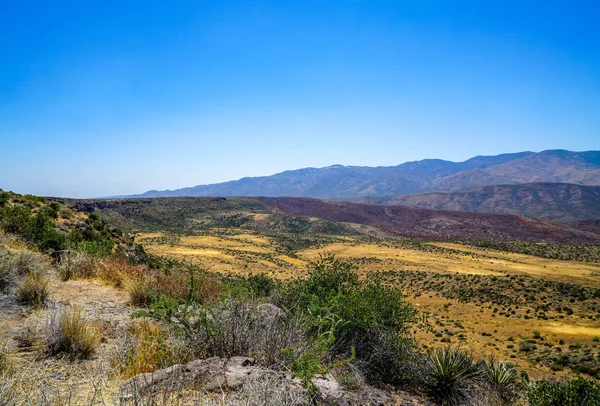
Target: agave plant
(451, 371)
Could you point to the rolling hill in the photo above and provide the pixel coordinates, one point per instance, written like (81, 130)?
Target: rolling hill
(554, 201)
(307, 215)
(337, 181)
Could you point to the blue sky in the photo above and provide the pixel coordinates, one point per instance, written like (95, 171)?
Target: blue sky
(108, 97)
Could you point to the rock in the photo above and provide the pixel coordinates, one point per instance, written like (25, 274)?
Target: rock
(209, 375)
(332, 393)
(269, 311)
(408, 399)
(219, 375)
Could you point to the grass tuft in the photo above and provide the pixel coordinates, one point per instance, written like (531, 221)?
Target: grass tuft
(145, 348)
(69, 333)
(34, 290)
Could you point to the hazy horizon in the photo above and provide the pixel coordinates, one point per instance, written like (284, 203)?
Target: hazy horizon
(106, 99)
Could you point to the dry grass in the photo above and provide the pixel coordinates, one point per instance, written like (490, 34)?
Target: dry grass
(4, 354)
(17, 263)
(68, 332)
(34, 289)
(144, 348)
(73, 266)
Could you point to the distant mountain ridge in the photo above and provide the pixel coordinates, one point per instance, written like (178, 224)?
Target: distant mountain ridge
(553, 201)
(338, 181)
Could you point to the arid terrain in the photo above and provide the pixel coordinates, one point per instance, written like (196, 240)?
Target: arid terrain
(487, 300)
(95, 293)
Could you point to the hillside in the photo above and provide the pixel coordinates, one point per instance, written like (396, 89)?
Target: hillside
(436, 224)
(552, 201)
(339, 181)
(309, 216)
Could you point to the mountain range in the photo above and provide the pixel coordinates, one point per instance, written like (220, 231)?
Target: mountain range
(338, 181)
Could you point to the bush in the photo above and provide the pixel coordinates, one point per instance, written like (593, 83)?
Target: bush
(261, 285)
(366, 316)
(451, 374)
(34, 289)
(233, 327)
(578, 392)
(69, 333)
(18, 263)
(4, 198)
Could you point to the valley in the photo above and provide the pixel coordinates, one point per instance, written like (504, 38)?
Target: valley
(489, 301)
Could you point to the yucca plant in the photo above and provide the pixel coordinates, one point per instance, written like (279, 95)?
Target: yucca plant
(451, 372)
(502, 378)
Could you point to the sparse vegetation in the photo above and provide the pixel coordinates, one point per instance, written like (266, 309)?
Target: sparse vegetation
(351, 318)
(575, 393)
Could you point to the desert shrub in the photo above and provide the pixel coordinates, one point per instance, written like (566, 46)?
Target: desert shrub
(144, 348)
(451, 374)
(78, 265)
(261, 285)
(4, 198)
(366, 316)
(578, 392)
(233, 327)
(37, 229)
(15, 219)
(68, 332)
(33, 289)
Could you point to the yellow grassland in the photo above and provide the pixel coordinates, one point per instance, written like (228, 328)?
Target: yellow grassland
(244, 254)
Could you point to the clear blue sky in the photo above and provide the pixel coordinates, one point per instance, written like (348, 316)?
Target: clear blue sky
(117, 97)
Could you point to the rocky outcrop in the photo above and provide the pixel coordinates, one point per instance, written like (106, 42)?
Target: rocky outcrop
(219, 375)
(208, 375)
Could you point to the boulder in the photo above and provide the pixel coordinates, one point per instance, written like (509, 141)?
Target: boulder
(331, 392)
(220, 375)
(208, 375)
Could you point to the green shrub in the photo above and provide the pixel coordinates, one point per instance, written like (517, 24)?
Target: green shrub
(260, 285)
(578, 392)
(4, 198)
(367, 317)
(15, 219)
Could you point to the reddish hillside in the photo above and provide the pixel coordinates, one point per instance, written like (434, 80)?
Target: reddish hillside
(435, 224)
